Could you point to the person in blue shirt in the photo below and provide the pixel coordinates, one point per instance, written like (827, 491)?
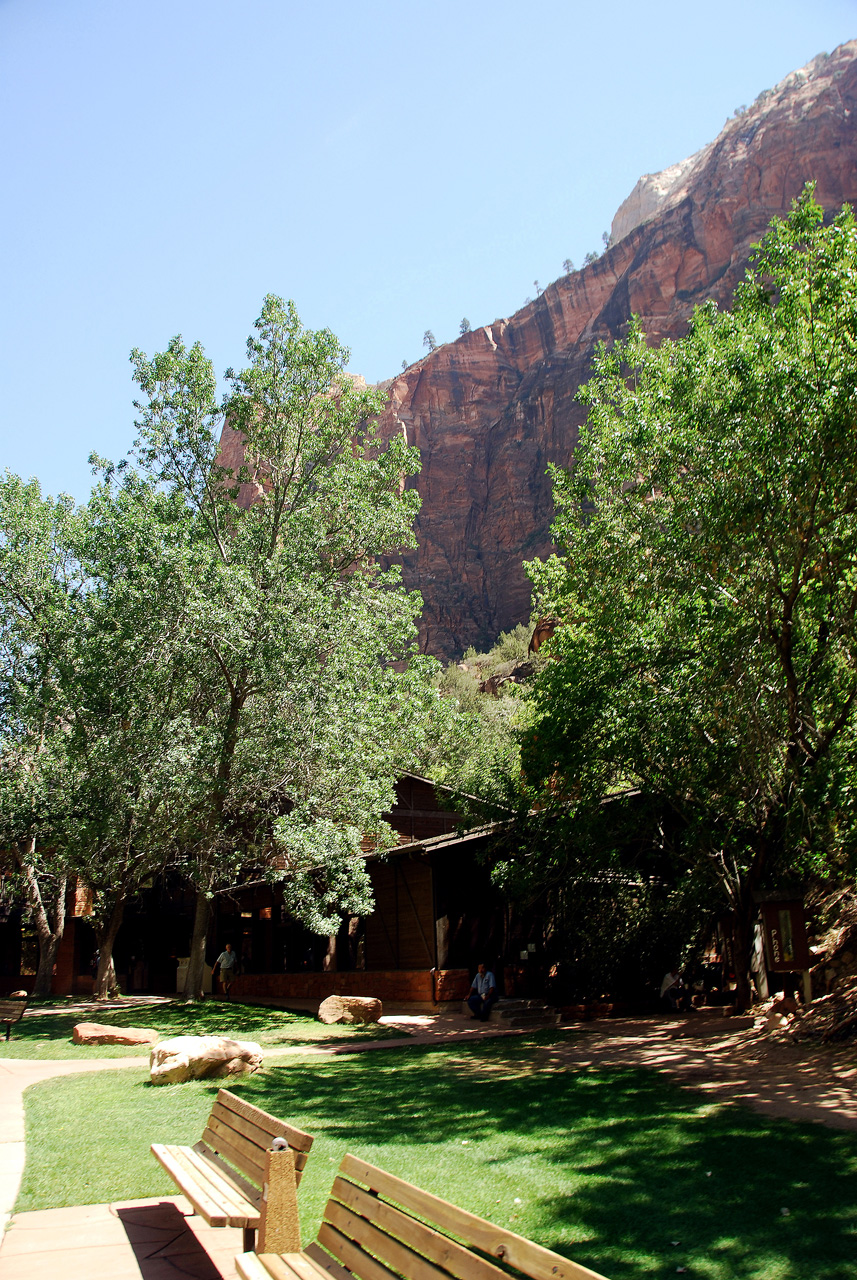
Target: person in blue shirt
(483, 993)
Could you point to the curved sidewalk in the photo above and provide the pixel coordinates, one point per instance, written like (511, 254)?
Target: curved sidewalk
(16, 1075)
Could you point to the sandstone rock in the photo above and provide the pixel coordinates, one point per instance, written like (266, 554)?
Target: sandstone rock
(201, 1057)
(490, 410)
(97, 1033)
(350, 1009)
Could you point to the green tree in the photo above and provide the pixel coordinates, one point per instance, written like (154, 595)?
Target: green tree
(94, 706)
(429, 340)
(40, 581)
(299, 718)
(568, 266)
(707, 579)
(464, 327)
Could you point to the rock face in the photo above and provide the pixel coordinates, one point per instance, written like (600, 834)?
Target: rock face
(201, 1057)
(491, 410)
(349, 1009)
(98, 1033)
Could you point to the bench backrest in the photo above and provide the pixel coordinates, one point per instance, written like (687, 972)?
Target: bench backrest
(12, 1010)
(375, 1224)
(242, 1133)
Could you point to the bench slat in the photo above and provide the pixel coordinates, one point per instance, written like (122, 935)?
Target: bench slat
(352, 1255)
(219, 1185)
(307, 1269)
(204, 1197)
(251, 1267)
(237, 1150)
(244, 1189)
(269, 1124)
(238, 1124)
(532, 1259)
(278, 1266)
(454, 1258)
(324, 1264)
(249, 1139)
(386, 1248)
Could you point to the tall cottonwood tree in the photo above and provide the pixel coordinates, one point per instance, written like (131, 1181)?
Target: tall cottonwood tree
(39, 583)
(93, 696)
(298, 717)
(707, 578)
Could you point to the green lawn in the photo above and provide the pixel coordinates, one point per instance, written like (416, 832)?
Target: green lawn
(48, 1035)
(607, 1166)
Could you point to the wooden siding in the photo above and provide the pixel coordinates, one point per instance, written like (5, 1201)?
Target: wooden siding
(400, 933)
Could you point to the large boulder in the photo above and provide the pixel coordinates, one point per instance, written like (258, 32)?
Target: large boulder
(350, 1009)
(98, 1033)
(201, 1057)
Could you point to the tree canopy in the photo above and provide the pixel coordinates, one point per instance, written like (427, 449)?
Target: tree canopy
(207, 667)
(706, 579)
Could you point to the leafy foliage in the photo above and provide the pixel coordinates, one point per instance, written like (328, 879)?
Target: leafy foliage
(707, 581)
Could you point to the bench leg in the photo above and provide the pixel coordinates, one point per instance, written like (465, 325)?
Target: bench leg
(249, 1239)
(8, 1029)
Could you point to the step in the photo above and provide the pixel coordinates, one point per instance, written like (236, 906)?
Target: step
(549, 1018)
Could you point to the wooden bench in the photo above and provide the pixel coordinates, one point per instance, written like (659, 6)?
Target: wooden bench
(233, 1177)
(11, 1011)
(377, 1227)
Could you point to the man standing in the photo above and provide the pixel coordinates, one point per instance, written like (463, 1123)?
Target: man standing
(674, 991)
(483, 993)
(225, 966)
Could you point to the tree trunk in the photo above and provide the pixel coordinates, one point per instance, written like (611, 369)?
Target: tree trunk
(105, 934)
(49, 922)
(742, 950)
(196, 963)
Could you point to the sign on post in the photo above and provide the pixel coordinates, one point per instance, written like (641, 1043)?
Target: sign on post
(786, 947)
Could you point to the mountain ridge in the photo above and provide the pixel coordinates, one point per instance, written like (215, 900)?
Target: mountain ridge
(490, 410)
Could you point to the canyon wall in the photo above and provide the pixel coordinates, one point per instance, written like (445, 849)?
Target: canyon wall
(491, 410)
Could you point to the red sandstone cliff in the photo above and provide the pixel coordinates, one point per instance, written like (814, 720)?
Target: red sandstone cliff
(490, 411)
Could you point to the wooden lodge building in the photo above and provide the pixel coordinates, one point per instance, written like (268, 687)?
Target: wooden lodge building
(436, 916)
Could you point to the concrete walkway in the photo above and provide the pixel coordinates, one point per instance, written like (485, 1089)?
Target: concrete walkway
(16, 1075)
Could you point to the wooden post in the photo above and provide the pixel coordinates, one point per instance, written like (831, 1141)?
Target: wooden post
(279, 1225)
(807, 987)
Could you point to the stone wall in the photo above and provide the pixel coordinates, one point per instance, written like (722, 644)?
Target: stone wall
(405, 986)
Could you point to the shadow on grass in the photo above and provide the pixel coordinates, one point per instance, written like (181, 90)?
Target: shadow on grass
(611, 1166)
(270, 1027)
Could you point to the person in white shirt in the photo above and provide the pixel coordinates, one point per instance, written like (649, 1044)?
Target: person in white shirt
(674, 991)
(483, 993)
(225, 965)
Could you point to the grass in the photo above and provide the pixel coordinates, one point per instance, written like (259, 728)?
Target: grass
(606, 1166)
(48, 1035)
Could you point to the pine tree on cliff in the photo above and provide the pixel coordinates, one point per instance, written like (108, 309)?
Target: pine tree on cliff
(429, 340)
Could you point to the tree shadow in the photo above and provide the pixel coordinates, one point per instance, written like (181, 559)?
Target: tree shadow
(617, 1164)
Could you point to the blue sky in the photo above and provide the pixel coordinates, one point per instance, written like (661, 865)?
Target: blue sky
(392, 167)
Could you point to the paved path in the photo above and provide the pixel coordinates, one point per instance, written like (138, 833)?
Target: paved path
(16, 1075)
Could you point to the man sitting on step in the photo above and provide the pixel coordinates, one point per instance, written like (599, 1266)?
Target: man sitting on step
(483, 993)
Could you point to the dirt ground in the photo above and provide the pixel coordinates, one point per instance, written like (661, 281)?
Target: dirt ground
(727, 1058)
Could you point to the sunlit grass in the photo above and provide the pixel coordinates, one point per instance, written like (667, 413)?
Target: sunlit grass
(48, 1035)
(607, 1166)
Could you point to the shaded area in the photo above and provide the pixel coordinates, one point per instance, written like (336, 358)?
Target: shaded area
(610, 1166)
(163, 1244)
(48, 1035)
(606, 1165)
(154, 1240)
